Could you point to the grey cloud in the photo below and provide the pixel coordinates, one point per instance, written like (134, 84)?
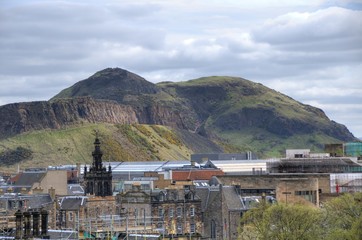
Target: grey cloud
(322, 25)
(46, 47)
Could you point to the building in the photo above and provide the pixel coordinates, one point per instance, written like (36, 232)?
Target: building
(98, 180)
(204, 157)
(243, 167)
(40, 181)
(135, 215)
(353, 149)
(222, 208)
(177, 213)
(69, 209)
(27, 214)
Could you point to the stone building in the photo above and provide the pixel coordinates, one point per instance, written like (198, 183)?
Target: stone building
(98, 180)
(90, 215)
(222, 208)
(229, 196)
(287, 188)
(69, 209)
(35, 181)
(177, 212)
(134, 207)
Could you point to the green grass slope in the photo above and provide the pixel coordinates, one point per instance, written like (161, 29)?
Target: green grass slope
(75, 145)
(242, 115)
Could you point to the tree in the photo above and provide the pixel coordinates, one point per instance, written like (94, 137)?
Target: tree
(344, 217)
(281, 222)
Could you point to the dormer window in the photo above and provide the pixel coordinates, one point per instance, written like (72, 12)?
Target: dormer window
(162, 196)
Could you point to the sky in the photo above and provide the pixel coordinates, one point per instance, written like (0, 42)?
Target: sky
(310, 50)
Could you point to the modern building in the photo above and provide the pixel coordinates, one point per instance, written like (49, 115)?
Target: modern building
(204, 157)
(243, 167)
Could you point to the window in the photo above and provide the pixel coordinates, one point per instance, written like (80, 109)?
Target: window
(170, 212)
(213, 229)
(179, 212)
(192, 228)
(192, 211)
(160, 212)
(70, 216)
(308, 195)
(179, 228)
(162, 196)
(136, 216)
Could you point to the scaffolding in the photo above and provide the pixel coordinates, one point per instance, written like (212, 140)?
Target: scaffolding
(7, 223)
(313, 165)
(113, 226)
(346, 182)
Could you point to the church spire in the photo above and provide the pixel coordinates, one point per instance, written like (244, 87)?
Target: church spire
(97, 154)
(98, 180)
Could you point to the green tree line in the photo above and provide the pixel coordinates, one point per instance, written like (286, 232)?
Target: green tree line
(338, 219)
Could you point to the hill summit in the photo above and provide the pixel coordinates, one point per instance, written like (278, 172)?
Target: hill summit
(208, 104)
(218, 113)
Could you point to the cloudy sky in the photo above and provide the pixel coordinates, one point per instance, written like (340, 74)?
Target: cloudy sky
(310, 50)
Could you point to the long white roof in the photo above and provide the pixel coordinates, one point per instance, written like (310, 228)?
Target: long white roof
(239, 165)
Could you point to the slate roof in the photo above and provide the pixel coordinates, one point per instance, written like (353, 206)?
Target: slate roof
(39, 200)
(29, 178)
(72, 203)
(207, 195)
(232, 199)
(32, 201)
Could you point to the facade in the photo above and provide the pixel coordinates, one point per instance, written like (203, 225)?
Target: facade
(135, 211)
(34, 181)
(286, 188)
(204, 157)
(353, 149)
(242, 167)
(177, 213)
(27, 214)
(98, 180)
(314, 165)
(68, 211)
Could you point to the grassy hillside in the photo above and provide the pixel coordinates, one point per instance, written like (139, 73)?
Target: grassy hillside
(75, 145)
(210, 114)
(268, 145)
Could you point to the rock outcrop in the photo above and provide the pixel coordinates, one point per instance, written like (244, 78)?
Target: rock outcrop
(218, 108)
(23, 117)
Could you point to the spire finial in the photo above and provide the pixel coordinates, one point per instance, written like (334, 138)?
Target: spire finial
(96, 142)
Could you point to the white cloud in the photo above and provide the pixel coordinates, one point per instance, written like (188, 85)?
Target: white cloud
(309, 50)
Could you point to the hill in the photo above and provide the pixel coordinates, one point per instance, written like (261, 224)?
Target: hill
(209, 114)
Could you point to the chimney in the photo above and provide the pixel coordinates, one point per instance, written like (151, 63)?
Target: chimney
(23, 190)
(192, 163)
(51, 192)
(37, 190)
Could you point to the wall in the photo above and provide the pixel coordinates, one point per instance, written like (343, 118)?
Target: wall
(283, 183)
(56, 179)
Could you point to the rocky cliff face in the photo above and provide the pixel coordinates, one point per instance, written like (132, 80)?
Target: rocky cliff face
(23, 117)
(218, 108)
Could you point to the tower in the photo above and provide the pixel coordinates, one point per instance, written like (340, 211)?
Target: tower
(98, 180)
